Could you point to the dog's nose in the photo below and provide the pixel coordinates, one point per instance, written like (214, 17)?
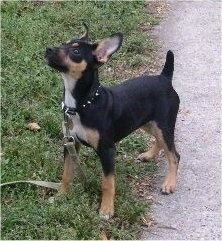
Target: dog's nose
(49, 50)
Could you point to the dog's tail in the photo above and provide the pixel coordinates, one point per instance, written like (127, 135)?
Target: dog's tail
(169, 65)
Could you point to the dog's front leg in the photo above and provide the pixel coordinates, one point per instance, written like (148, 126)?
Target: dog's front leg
(106, 155)
(68, 171)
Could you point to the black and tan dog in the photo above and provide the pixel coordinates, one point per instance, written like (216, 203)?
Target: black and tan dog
(102, 116)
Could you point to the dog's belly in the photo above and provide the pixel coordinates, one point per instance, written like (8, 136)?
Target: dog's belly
(126, 125)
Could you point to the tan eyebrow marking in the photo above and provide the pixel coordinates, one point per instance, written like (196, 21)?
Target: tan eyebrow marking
(75, 45)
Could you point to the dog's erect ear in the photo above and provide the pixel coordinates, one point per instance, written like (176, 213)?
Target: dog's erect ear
(104, 49)
(85, 36)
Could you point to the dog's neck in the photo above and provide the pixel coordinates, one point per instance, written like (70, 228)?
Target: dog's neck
(76, 92)
(69, 86)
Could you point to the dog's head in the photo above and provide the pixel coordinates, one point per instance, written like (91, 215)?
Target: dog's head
(77, 55)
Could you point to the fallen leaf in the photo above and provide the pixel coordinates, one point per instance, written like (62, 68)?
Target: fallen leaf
(33, 126)
(7, 200)
(147, 222)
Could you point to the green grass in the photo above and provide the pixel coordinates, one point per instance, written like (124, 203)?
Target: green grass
(31, 92)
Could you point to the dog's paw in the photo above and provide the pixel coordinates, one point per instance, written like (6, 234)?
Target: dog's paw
(63, 189)
(105, 216)
(145, 156)
(152, 153)
(168, 187)
(106, 212)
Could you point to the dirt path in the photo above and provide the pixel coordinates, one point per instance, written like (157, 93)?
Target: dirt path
(192, 30)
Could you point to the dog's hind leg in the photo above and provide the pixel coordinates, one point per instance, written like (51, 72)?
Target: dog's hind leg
(155, 148)
(152, 153)
(164, 139)
(170, 182)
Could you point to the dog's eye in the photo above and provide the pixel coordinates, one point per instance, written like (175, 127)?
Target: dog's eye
(76, 51)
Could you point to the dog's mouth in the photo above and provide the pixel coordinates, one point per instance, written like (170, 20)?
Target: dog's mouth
(54, 59)
(55, 65)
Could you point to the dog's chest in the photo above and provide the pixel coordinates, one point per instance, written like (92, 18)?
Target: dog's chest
(81, 133)
(75, 129)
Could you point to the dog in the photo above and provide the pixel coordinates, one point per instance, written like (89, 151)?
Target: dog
(100, 116)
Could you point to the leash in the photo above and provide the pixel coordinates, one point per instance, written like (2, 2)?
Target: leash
(52, 185)
(69, 144)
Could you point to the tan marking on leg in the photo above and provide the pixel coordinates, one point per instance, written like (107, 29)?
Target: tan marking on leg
(68, 175)
(103, 235)
(68, 171)
(92, 137)
(155, 148)
(152, 153)
(108, 192)
(170, 181)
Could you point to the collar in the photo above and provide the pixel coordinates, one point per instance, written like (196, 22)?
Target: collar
(68, 110)
(91, 97)
(72, 111)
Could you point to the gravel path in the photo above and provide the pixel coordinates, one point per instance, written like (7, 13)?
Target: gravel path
(192, 30)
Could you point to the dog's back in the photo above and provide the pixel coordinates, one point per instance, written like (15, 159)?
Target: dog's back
(139, 99)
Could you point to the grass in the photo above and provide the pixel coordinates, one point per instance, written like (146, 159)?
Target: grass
(31, 92)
